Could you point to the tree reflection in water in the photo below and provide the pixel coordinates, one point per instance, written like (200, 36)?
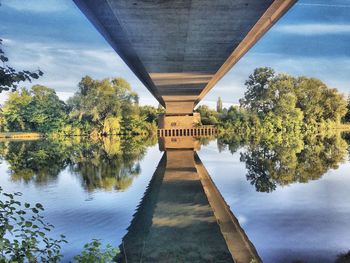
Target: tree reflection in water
(286, 159)
(110, 163)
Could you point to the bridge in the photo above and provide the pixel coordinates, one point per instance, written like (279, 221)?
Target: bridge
(180, 49)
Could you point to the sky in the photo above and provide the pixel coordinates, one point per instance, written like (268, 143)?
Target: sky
(312, 39)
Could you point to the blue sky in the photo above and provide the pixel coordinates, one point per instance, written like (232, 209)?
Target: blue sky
(312, 39)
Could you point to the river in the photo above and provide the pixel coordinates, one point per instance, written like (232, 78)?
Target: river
(190, 200)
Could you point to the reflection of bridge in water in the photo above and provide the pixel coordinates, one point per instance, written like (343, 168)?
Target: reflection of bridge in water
(182, 216)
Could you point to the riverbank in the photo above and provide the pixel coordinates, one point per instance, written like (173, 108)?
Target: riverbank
(20, 135)
(343, 127)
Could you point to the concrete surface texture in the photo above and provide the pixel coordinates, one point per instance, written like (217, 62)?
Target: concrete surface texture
(179, 49)
(173, 122)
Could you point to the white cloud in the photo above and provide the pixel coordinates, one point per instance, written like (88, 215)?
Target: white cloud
(6, 41)
(148, 100)
(64, 95)
(46, 6)
(242, 219)
(3, 97)
(313, 29)
(212, 103)
(334, 71)
(64, 64)
(324, 5)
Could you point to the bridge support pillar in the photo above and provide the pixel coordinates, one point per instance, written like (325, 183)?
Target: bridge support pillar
(188, 121)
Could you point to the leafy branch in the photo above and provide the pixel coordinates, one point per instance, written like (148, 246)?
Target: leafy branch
(10, 77)
(24, 233)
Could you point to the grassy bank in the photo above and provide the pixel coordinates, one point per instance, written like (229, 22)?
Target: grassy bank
(20, 135)
(343, 126)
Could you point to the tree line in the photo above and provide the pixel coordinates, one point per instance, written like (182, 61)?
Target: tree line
(284, 159)
(108, 163)
(272, 103)
(280, 102)
(99, 107)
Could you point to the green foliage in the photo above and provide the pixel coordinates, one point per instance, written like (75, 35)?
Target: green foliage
(108, 106)
(219, 105)
(150, 113)
(36, 110)
(94, 253)
(24, 233)
(10, 77)
(284, 158)
(318, 102)
(208, 116)
(346, 117)
(292, 99)
(111, 126)
(110, 163)
(282, 103)
(343, 258)
(24, 236)
(256, 97)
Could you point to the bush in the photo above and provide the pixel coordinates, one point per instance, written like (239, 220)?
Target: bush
(94, 253)
(24, 234)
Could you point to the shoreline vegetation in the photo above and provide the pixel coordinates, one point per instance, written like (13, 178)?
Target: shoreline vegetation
(281, 104)
(20, 135)
(36, 135)
(273, 103)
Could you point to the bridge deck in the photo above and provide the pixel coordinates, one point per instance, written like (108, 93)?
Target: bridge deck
(180, 49)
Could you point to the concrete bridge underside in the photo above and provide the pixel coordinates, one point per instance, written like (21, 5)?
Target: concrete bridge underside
(180, 49)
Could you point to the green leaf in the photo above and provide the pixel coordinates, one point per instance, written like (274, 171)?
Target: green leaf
(28, 224)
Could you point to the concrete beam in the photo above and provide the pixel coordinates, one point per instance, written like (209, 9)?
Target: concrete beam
(269, 18)
(180, 49)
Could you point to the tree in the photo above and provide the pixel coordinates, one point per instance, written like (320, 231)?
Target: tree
(99, 101)
(272, 162)
(283, 104)
(208, 116)
(47, 112)
(291, 102)
(150, 113)
(110, 99)
(10, 78)
(39, 109)
(346, 117)
(15, 111)
(94, 252)
(219, 105)
(256, 97)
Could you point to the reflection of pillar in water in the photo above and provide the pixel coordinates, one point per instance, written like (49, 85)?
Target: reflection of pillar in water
(182, 216)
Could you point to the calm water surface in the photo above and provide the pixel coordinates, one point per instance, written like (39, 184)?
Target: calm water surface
(292, 200)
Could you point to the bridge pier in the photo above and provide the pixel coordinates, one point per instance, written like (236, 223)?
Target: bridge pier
(183, 121)
(170, 125)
